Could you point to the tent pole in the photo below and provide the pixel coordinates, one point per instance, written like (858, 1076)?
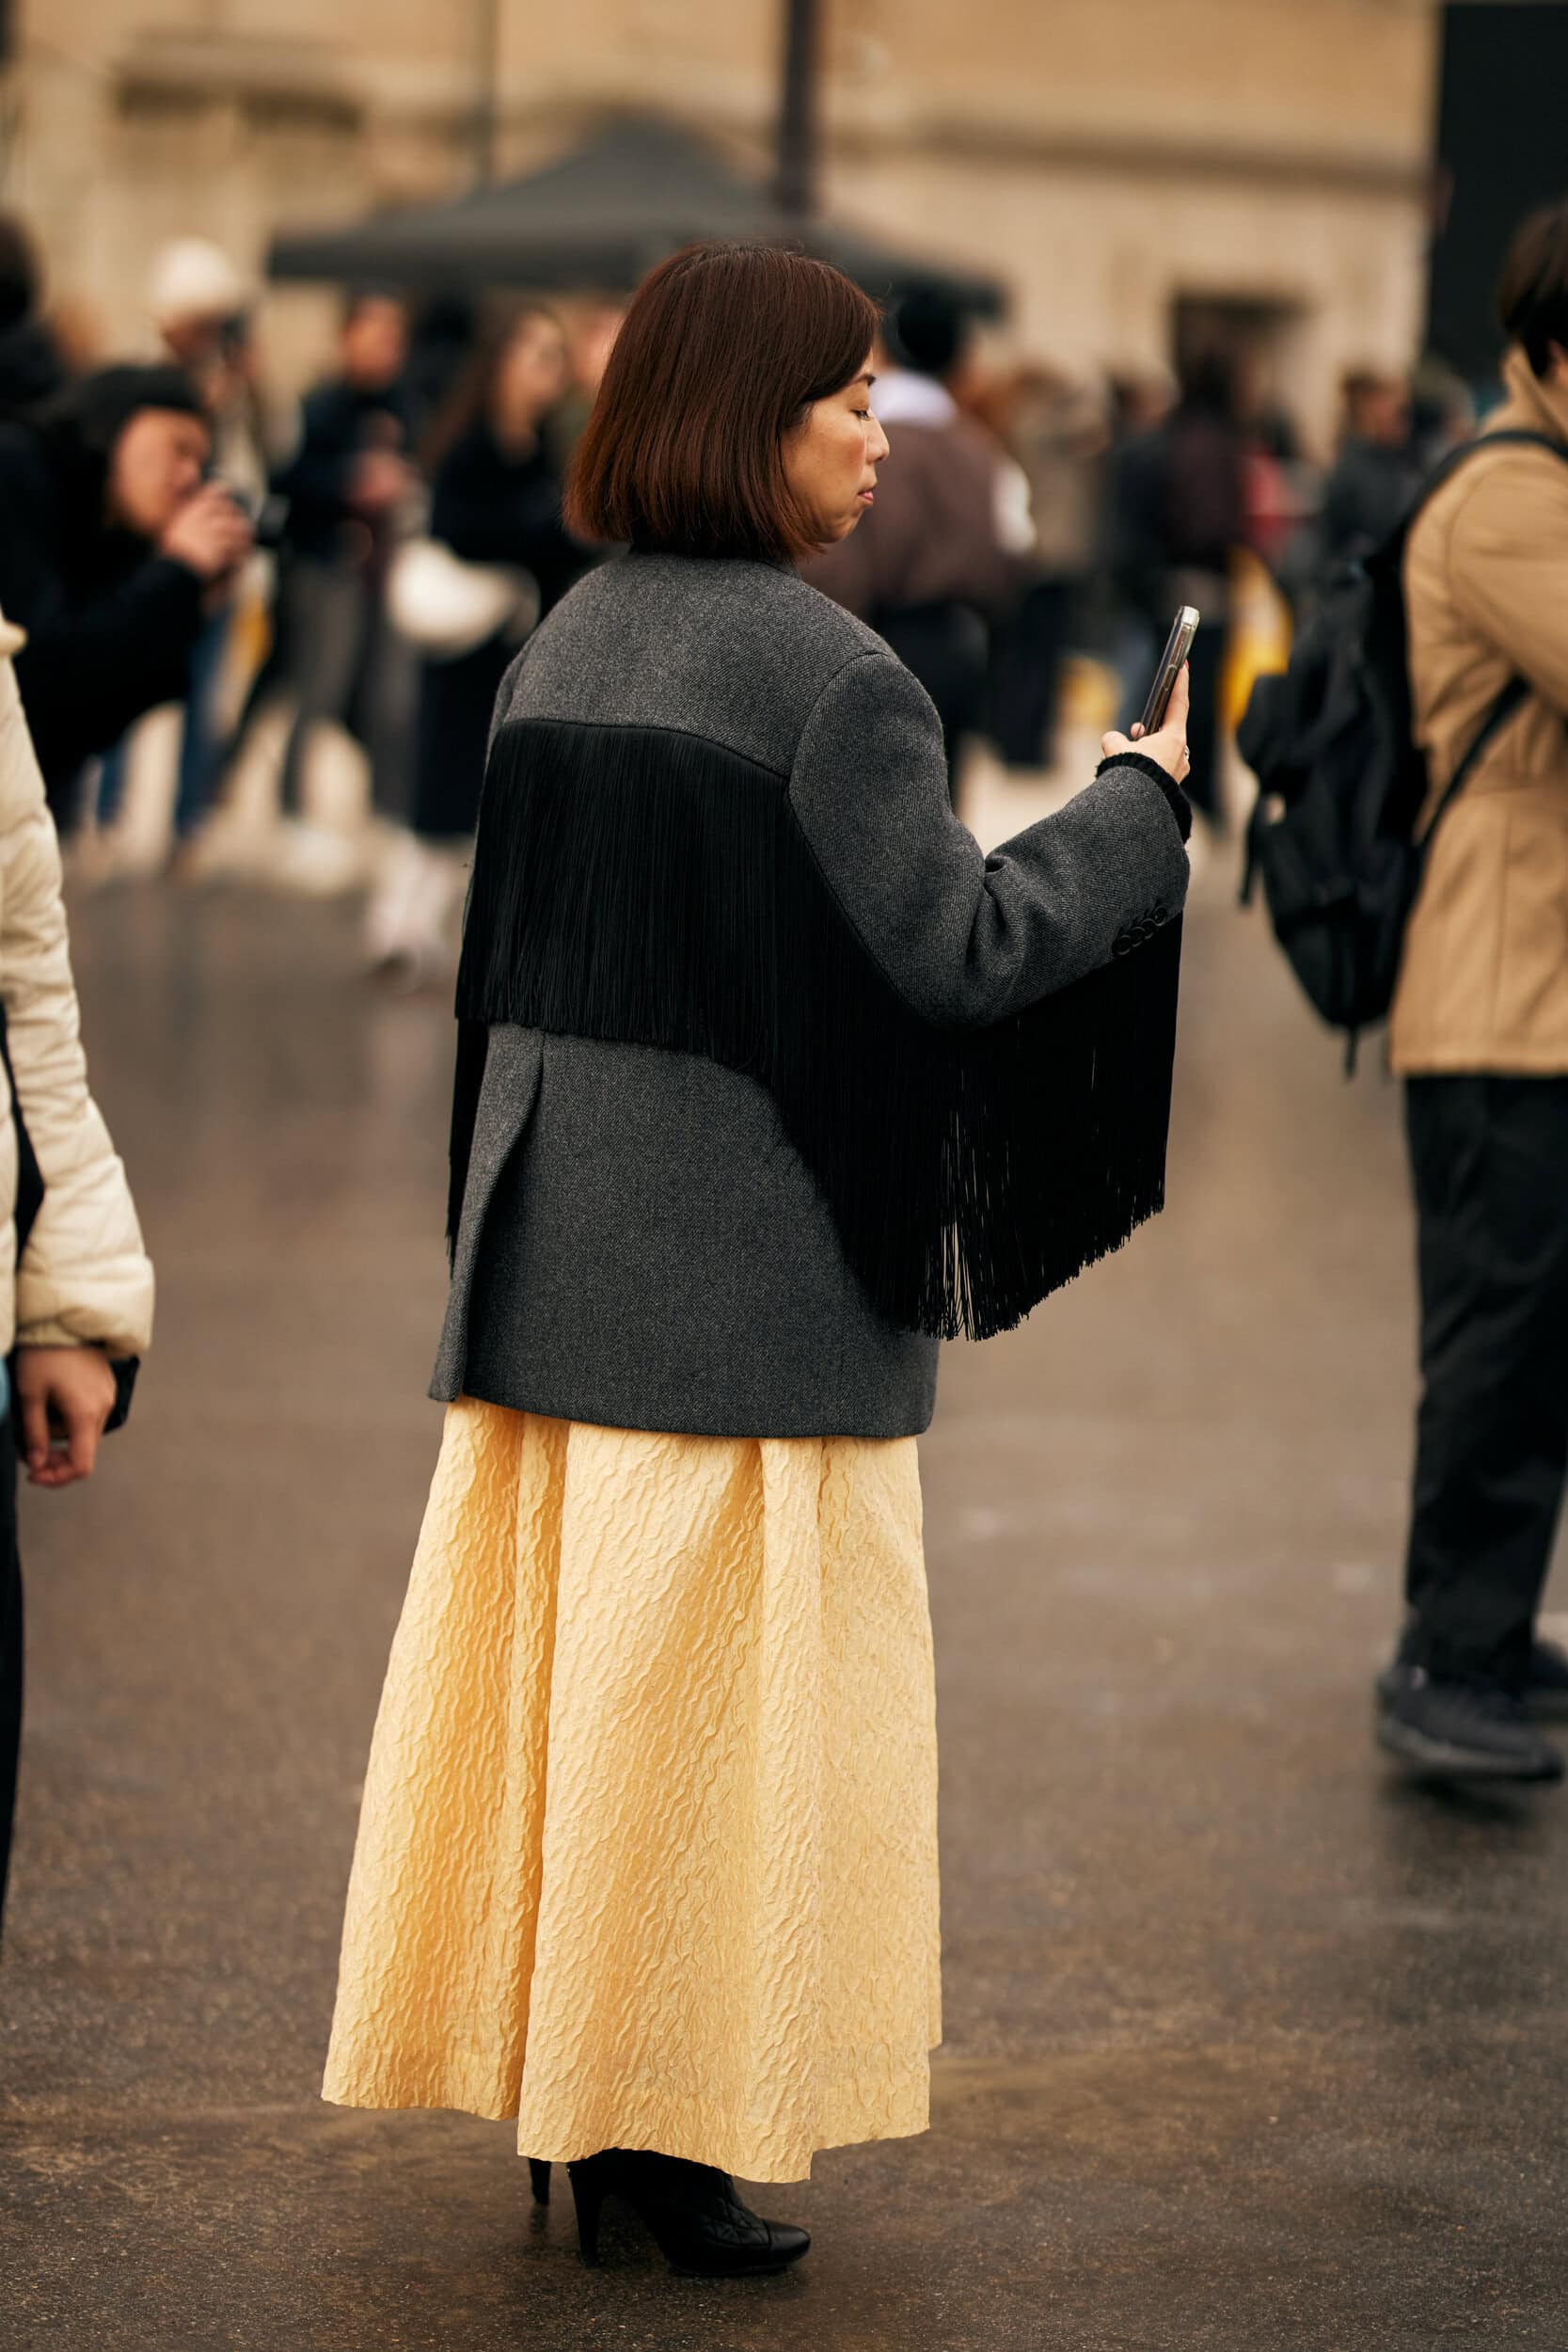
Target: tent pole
(796, 179)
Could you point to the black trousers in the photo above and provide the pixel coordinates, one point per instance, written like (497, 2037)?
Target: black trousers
(10, 1649)
(1489, 1158)
(348, 664)
(946, 647)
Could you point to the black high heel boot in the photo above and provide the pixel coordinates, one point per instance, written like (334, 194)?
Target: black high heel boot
(691, 2210)
(539, 2180)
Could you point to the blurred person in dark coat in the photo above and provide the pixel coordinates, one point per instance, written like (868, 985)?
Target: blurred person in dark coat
(1178, 514)
(1443, 412)
(113, 549)
(1055, 430)
(494, 506)
(1375, 475)
(443, 337)
(940, 557)
(1136, 405)
(496, 500)
(32, 366)
(347, 485)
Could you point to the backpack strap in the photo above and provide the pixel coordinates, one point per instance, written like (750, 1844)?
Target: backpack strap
(1515, 436)
(1389, 556)
(1514, 693)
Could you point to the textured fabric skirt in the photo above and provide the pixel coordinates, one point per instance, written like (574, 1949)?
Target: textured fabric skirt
(647, 1850)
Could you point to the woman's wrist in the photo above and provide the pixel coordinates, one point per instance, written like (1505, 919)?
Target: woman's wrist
(1176, 800)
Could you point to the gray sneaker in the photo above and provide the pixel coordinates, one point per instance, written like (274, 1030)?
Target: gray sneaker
(1460, 1730)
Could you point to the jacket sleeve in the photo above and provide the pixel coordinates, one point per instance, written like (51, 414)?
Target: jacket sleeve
(89, 674)
(967, 939)
(1508, 565)
(85, 1276)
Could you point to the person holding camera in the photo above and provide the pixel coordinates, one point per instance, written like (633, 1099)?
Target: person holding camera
(113, 547)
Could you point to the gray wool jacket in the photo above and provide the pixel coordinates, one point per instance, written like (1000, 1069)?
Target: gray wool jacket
(638, 1242)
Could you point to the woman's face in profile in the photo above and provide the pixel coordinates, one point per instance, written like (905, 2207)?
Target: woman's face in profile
(831, 456)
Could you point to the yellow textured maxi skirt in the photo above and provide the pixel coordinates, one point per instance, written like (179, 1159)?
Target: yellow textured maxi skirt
(647, 1850)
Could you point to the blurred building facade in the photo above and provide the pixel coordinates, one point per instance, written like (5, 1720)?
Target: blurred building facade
(1140, 173)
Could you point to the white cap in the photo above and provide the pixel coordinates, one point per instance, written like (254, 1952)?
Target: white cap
(193, 279)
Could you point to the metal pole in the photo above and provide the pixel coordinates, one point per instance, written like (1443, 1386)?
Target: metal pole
(486, 67)
(794, 183)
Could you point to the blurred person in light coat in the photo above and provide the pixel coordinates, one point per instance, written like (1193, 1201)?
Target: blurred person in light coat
(200, 304)
(76, 1281)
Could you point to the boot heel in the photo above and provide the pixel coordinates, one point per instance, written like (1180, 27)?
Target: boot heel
(587, 2196)
(539, 2180)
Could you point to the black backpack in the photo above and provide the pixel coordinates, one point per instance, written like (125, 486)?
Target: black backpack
(1330, 736)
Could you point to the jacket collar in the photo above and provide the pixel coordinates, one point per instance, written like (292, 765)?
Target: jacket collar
(1536, 407)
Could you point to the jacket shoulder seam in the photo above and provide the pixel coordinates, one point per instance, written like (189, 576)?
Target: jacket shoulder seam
(863, 653)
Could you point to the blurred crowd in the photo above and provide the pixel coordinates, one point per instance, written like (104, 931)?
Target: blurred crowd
(358, 567)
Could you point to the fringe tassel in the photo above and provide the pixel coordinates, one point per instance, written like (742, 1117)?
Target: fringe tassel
(648, 887)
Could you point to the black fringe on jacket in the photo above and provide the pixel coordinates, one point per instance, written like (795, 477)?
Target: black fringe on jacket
(649, 887)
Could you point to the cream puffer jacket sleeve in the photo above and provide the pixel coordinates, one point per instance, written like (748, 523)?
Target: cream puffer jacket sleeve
(86, 1277)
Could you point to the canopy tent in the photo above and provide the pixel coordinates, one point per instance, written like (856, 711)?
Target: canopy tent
(601, 216)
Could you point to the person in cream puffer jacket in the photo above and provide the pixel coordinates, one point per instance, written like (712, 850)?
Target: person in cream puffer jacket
(76, 1281)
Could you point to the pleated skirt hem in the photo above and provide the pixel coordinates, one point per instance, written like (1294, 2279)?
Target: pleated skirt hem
(862, 2109)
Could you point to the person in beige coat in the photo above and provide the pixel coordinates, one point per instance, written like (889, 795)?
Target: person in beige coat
(1479, 1034)
(76, 1281)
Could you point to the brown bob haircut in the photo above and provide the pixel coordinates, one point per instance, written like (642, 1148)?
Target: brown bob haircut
(1532, 295)
(723, 349)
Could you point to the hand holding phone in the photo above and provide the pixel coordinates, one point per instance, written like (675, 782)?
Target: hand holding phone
(1165, 740)
(1179, 645)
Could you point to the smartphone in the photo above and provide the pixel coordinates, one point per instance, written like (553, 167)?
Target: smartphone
(1179, 645)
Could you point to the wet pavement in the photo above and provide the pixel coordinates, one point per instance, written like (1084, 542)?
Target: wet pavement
(1248, 2044)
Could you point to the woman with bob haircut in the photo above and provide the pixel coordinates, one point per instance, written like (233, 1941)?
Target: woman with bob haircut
(767, 1081)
